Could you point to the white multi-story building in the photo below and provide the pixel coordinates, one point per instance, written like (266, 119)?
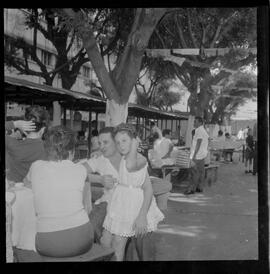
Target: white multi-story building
(14, 26)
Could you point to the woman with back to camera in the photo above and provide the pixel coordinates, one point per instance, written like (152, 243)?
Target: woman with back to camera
(63, 226)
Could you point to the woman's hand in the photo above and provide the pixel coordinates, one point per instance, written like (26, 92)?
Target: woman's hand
(140, 225)
(25, 125)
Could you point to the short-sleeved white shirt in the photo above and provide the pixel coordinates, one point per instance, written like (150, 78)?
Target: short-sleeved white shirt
(200, 133)
(103, 166)
(162, 147)
(58, 194)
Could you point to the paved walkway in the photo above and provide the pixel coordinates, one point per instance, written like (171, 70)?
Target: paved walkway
(219, 224)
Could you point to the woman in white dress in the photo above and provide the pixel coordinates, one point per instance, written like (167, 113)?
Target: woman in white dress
(131, 211)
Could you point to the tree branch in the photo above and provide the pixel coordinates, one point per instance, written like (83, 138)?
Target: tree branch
(120, 64)
(216, 35)
(71, 42)
(195, 44)
(180, 32)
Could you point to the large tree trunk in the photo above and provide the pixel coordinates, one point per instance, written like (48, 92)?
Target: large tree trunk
(119, 84)
(115, 113)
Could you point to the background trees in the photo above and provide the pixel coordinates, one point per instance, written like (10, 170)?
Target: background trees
(114, 40)
(207, 28)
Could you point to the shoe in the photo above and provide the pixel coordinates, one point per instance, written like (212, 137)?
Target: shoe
(246, 171)
(249, 171)
(188, 192)
(253, 173)
(198, 190)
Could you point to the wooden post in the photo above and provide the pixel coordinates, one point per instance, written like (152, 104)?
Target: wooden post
(89, 133)
(161, 127)
(144, 125)
(71, 117)
(65, 116)
(97, 120)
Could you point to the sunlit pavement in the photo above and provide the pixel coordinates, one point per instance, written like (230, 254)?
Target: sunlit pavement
(219, 224)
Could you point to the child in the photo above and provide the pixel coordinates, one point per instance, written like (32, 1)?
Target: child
(130, 212)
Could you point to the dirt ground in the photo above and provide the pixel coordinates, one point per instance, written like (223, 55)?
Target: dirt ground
(219, 224)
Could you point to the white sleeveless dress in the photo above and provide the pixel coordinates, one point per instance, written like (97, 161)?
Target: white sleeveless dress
(126, 201)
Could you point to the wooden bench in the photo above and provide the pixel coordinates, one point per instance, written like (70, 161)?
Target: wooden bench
(96, 253)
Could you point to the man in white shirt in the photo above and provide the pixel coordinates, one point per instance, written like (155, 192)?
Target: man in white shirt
(165, 146)
(198, 153)
(108, 165)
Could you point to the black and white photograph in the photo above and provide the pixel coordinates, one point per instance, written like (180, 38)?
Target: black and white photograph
(131, 135)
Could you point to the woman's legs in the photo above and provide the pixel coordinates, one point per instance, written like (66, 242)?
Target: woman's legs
(119, 244)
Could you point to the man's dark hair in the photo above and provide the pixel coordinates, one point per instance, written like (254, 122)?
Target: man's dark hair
(199, 119)
(38, 115)
(94, 124)
(155, 136)
(107, 130)
(227, 134)
(152, 124)
(58, 141)
(220, 132)
(165, 132)
(94, 132)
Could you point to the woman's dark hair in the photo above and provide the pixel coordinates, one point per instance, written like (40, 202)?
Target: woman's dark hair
(59, 141)
(123, 127)
(38, 115)
(165, 132)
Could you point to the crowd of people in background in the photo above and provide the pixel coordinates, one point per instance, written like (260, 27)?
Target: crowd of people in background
(43, 159)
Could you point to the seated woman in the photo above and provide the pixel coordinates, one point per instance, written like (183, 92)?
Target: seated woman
(21, 153)
(63, 226)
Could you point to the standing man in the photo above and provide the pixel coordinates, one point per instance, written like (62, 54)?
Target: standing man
(255, 149)
(107, 165)
(198, 153)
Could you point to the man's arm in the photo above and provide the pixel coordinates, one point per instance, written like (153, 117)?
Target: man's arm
(105, 180)
(134, 160)
(198, 145)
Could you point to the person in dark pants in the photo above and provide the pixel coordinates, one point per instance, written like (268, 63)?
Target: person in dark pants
(198, 153)
(255, 149)
(249, 153)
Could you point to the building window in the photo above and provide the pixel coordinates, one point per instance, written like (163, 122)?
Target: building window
(86, 72)
(46, 58)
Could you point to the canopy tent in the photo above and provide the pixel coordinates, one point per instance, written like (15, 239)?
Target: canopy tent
(26, 92)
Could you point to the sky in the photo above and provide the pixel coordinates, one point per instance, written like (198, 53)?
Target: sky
(246, 112)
